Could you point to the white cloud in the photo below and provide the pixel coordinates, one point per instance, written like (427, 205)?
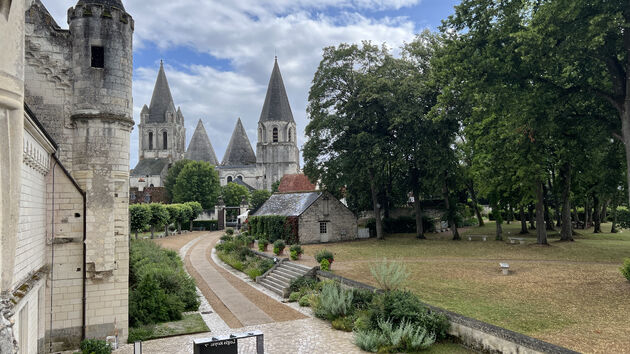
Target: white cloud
(247, 33)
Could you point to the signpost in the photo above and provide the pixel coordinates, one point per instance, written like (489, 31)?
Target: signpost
(227, 344)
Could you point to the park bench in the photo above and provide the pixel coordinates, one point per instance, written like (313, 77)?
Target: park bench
(483, 237)
(519, 239)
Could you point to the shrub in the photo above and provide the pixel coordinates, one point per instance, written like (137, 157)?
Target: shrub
(405, 225)
(229, 231)
(95, 346)
(227, 238)
(297, 248)
(625, 269)
(295, 296)
(324, 265)
(343, 324)
(262, 245)
(324, 254)
(370, 340)
(404, 307)
(361, 298)
(334, 302)
(389, 275)
(305, 301)
(253, 273)
(294, 256)
(278, 247)
(139, 333)
(302, 283)
(405, 337)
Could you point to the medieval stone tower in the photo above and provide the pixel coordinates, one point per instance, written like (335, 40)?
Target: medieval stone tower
(79, 84)
(161, 130)
(277, 151)
(102, 114)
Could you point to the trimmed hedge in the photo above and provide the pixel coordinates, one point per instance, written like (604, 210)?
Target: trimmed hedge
(274, 228)
(208, 225)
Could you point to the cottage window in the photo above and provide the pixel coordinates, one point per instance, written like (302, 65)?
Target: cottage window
(275, 135)
(323, 228)
(150, 141)
(164, 140)
(98, 57)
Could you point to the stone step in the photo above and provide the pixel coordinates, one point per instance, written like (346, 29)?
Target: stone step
(272, 287)
(280, 276)
(280, 281)
(287, 272)
(298, 267)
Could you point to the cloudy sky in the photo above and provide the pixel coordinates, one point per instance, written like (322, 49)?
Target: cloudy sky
(219, 54)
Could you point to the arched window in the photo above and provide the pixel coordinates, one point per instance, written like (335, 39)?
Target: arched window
(150, 141)
(229, 179)
(164, 140)
(275, 135)
(239, 178)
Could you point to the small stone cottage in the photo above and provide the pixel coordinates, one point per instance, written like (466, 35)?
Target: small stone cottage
(321, 217)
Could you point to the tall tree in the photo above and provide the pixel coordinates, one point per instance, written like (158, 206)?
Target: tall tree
(198, 181)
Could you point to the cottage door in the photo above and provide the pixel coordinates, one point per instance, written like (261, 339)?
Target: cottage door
(323, 232)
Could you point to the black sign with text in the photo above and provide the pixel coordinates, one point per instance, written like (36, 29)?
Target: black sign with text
(227, 346)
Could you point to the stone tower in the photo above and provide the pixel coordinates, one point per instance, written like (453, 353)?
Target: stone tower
(101, 35)
(161, 130)
(277, 152)
(200, 148)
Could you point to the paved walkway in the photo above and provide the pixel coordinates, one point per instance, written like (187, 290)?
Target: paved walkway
(240, 306)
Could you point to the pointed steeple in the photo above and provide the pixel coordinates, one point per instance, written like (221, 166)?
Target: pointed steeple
(162, 100)
(276, 107)
(239, 151)
(200, 148)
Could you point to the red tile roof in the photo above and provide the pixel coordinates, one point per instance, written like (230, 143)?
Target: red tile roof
(295, 183)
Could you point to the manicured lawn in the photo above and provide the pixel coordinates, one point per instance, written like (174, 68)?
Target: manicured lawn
(571, 294)
(190, 323)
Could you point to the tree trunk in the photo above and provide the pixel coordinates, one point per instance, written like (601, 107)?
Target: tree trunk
(548, 221)
(566, 232)
(136, 234)
(152, 231)
(576, 217)
(450, 213)
(191, 225)
(625, 123)
(418, 208)
(508, 214)
(523, 220)
(179, 228)
(532, 224)
(541, 231)
(499, 236)
(473, 195)
(604, 213)
(588, 216)
(166, 230)
(376, 207)
(613, 228)
(597, 222)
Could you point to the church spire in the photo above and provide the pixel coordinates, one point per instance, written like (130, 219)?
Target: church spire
(200, 147)
(239, 151)
(162, 100)
(276, 107)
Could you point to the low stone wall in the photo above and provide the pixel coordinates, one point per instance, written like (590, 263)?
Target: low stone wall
(473, 333)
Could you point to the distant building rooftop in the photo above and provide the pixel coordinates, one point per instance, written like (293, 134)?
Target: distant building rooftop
(295, 183)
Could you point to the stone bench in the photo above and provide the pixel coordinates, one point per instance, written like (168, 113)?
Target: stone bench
(505, 268)
(483, 237)
(514, 239)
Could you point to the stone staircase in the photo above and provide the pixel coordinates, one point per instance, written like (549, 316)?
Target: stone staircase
(279, 278)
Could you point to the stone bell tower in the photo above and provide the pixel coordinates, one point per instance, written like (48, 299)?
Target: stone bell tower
(101, 33)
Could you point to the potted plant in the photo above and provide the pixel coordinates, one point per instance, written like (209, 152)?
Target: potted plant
(250, 241)
(324, 254)
(278, 247)
(296, 252)
(262, 244)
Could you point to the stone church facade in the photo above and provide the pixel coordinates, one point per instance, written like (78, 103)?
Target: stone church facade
(277, 153)
(66, 115)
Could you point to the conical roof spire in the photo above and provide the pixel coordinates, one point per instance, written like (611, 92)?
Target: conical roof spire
(239, 151)
(276, 107)
(162, 100)
(200, 148)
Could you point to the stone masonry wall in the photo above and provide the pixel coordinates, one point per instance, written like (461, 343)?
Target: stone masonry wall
(342, 224)
(65, 256)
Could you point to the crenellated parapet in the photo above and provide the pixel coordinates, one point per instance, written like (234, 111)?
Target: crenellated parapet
(106, 12)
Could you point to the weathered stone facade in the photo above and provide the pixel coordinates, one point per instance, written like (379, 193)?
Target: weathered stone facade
(340, 223)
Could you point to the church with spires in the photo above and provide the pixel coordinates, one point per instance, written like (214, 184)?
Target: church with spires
(162, 142)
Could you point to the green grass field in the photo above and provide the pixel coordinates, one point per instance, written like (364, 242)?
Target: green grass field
(190, 323)
(569, 293)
